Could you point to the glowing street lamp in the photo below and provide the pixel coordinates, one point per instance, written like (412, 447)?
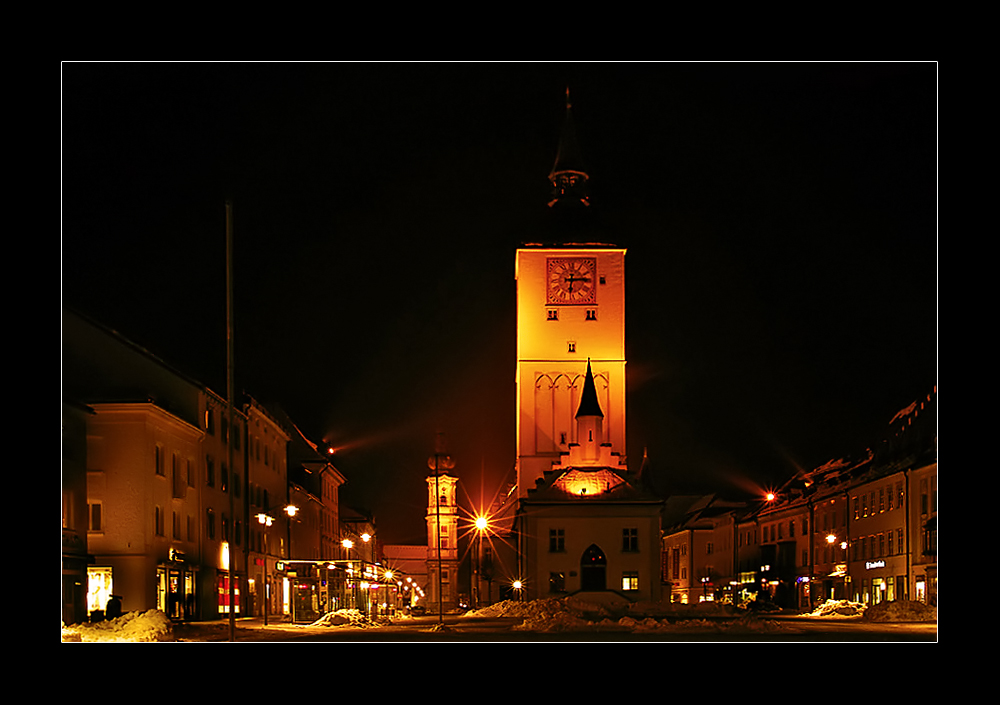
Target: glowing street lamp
(265, 520)
(518, 586)
(481, 523)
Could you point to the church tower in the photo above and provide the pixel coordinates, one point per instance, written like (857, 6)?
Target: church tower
(442, 532)
(585, 524)
(570, 312)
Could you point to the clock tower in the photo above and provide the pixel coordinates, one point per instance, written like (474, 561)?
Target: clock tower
(585, 524)
(570, 310)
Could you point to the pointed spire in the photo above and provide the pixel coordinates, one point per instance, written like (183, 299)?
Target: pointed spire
(589, 406)
(569, 176)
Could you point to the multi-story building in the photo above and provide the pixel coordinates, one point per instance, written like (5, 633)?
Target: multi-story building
(701, 550)
(922, 531)
(879, 554)
(270, 513)
(829, 544)
(175, 481)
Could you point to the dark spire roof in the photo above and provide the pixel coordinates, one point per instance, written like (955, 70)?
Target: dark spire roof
(589, 406)
(569, 175)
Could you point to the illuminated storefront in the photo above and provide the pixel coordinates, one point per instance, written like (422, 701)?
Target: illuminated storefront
(99, 587)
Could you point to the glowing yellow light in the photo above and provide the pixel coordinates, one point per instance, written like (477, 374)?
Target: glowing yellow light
(769, 496)
(366, 537)
(347, 543)
(517, 584)
(481, 523)
(830, 538)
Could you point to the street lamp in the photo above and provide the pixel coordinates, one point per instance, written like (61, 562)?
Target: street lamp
(518, 586)
(481, 523)
(265, 520)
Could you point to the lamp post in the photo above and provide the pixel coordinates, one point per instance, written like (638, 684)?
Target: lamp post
(481, 524)
(265, 520)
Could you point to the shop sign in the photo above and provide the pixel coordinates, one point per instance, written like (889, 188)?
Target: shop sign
(869, 565)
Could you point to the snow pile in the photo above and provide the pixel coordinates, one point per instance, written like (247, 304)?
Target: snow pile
(900, 611)
(153, 625)
(838, 609)
(886, 611)
(569, 614)
(344, 618)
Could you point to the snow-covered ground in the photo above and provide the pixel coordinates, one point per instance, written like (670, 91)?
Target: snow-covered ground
(544, 616)
(153, 625)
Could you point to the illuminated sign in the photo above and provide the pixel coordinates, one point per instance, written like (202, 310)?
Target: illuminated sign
(874, 564)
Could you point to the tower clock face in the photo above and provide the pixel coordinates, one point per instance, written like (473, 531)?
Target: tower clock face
(571, 280)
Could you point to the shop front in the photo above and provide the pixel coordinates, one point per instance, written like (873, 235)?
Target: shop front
(176, 594)
(879, 580)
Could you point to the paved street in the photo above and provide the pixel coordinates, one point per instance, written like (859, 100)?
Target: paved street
(780, 628)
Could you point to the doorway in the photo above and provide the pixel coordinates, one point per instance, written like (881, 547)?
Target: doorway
(593, 569)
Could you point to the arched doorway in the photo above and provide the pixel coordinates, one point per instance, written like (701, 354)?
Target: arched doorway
(593, 569)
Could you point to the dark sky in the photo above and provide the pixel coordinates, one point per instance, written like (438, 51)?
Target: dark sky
(780, 220)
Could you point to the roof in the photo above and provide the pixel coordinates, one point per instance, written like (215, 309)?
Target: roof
(589, 405)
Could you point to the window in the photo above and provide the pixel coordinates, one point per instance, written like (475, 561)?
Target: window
(791, 529)
(630, 540)
(158, 460)
(95, 516)
(630, 580)
(552, 314)
(591, 314)
(557, 540)
(176, 525)
(177, 479)
(224, 479)
(571, 346)
(209, 471)
(158, 521)
(210, 523)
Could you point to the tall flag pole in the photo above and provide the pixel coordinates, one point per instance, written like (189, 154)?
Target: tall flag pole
(230, 387)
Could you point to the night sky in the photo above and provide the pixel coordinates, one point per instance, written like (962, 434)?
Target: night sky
(780, 220)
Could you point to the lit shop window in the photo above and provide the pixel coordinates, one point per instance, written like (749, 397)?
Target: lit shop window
(630, 580)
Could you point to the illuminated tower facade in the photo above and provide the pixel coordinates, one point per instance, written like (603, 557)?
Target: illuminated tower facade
(442, 534)
(585, 523)
(570, 310)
